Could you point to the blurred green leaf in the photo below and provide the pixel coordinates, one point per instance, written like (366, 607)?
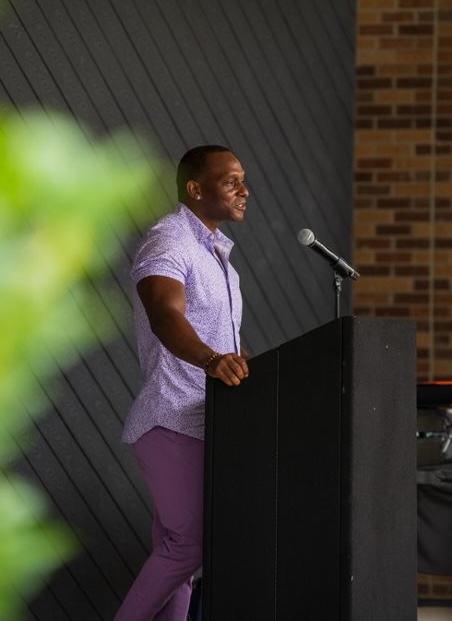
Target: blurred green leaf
(63, 194)
(31, 545)
(68, 200)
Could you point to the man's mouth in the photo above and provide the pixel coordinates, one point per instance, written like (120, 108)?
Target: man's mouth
(241, 206)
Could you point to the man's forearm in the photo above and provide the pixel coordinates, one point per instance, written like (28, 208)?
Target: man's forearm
(180, 338)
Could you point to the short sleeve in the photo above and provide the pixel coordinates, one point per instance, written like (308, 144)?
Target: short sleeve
(159, 257)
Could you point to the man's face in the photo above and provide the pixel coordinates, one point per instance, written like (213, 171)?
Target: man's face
(221, 189)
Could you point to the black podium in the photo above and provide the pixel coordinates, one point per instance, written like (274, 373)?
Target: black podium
(310, 491)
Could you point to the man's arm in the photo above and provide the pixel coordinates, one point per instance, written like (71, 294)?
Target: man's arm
(164, 301)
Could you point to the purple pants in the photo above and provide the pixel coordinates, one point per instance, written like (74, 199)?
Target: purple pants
(173, 467)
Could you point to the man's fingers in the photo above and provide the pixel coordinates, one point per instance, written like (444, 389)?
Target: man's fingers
(241, 370)
(231, 369)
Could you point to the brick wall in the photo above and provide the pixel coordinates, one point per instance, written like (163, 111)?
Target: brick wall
(403, 181)
(434, 587)
(403, 168)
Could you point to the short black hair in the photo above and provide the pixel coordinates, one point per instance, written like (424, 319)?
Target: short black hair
(192, 164)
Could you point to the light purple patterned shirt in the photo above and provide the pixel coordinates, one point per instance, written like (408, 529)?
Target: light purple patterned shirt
(180, 246)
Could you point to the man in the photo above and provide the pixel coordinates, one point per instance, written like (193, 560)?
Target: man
(188, 313)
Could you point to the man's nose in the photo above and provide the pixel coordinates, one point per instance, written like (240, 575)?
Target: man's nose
(243, 190)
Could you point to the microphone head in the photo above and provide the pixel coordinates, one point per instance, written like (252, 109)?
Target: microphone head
(306, 237)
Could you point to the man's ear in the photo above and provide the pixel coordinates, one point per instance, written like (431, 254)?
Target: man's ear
(193, 189)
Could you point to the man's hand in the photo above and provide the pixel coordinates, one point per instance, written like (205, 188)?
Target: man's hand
(229, 368)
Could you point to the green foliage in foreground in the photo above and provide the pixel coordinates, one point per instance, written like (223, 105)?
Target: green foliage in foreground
(67, 199)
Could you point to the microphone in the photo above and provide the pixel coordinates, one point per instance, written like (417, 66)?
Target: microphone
(307, 238)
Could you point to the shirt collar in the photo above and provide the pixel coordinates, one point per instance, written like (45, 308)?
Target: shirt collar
(203, 234)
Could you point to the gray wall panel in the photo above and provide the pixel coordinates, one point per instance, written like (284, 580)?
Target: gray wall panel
(273, 79)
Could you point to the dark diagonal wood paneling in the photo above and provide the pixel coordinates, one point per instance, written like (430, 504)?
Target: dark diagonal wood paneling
(273, 79)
